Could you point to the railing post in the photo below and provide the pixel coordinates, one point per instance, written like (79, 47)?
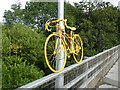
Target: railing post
(59, 63)
(116, 54)
(86, 70)
(119, 51)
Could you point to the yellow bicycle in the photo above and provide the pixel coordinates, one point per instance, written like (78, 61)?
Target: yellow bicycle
(57, 42)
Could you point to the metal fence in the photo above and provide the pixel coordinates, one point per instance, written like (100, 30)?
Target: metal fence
(83, 75)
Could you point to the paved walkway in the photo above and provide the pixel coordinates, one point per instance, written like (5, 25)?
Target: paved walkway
(112, 79)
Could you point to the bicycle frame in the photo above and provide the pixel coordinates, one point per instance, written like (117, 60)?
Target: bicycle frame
(70, 39)
(61, 33)
(62, 44)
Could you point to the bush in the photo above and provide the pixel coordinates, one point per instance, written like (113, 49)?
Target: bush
(22, 55)
(17, 72)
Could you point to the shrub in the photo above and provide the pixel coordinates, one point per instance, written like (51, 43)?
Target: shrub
(22, 55)
(17, 72)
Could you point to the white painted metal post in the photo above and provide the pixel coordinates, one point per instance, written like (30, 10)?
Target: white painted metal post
(60, 58)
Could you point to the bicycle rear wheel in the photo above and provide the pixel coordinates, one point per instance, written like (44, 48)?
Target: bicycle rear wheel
(78, 46)
(52, 51)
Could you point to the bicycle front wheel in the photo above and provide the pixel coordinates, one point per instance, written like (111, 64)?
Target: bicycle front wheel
(54, 53)
(78, 47)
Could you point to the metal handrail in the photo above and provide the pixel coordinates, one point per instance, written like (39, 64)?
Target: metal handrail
(37, 83)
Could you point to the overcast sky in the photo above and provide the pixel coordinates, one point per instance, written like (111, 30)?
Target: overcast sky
(6, 5)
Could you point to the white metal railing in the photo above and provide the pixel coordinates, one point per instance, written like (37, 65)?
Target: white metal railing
(83, 75)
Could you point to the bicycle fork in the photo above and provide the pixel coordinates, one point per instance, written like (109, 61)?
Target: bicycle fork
(58, 42)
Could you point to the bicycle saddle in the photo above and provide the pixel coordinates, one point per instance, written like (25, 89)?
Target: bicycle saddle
(73, 28)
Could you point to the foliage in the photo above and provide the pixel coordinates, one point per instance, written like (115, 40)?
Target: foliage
(17, 72)
(97, 23)
(98, 26)
(22, 55)
(34, 14)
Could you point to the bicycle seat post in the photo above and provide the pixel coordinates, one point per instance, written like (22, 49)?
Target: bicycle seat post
(71, 41)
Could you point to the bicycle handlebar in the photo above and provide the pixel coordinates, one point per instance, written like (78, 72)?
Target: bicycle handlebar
(57, 21)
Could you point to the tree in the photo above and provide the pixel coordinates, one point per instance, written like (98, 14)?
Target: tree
(97, 23)
(14, 16)
(22, 56)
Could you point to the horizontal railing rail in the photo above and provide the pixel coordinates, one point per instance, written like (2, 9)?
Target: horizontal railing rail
(83, 75)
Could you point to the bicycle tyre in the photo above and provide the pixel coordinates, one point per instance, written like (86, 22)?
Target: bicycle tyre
(52, 40)
(78, 46)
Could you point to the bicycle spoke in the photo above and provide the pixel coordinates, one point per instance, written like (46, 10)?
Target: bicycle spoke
(53, 62)
(77, 41)
(52, 46)
(50, 50)
(50, 55)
